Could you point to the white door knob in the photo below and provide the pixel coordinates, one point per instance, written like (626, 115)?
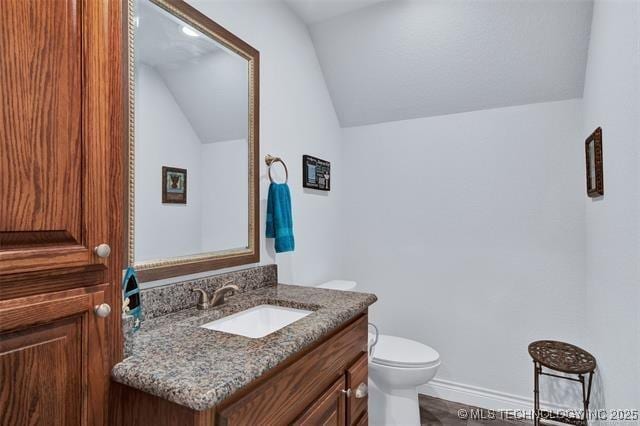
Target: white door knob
(102, 310)
(362, 390)
(103, 250)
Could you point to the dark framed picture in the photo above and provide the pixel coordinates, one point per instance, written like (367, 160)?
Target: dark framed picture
(593, 154)
(316, 173)
(174, 185)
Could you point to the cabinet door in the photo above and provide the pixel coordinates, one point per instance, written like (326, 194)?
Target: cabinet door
(53, 360)
(357, 378)
(328, 409)
(55, 145)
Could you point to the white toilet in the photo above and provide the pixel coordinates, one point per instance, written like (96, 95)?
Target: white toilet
(397, 367)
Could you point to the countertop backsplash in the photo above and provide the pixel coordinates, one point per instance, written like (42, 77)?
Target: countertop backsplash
(174, 297)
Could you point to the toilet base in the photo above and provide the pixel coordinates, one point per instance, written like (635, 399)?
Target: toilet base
(393, 407)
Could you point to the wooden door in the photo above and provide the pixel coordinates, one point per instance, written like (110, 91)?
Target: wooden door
(57, 170)
(357, 381)
(53, 359)
(328, 409)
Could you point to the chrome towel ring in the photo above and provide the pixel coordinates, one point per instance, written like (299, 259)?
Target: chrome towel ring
(270, 160)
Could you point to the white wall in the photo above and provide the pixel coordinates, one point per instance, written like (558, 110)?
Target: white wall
(297, 117)
(612, 101)
(470, 229)
(213, 91)
(163, 230)
(224, 174)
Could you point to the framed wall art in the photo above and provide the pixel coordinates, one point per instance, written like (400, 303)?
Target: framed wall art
(593, 154)
(316, 173)
(174, 185)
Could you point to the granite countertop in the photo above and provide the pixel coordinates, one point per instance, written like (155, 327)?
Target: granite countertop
(172, 357)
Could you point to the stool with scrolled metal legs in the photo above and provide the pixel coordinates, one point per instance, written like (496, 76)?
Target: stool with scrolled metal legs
(568, 359)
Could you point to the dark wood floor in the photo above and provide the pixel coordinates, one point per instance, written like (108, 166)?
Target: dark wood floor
(437, 412)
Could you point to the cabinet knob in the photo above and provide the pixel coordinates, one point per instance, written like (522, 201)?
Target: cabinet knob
(362, 390)
(102, 310)
(103, 250)
(346, 392)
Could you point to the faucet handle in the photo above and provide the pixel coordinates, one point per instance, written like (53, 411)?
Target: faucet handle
(218, 295)
(203, 300)
(230, 286)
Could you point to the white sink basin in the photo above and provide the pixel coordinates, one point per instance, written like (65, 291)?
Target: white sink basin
(257, 321)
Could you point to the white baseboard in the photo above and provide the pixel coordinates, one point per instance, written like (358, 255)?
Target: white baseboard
(481, 397)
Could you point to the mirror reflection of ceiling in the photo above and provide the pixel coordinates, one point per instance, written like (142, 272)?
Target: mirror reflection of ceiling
(160, 38)
(208, 82)
(400, 59)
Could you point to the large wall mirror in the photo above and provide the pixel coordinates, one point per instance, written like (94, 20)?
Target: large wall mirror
(193, 135)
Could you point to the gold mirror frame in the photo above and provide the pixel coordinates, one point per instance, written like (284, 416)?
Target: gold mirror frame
(183, 265)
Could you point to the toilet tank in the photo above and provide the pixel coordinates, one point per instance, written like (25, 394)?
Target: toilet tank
(339, 285)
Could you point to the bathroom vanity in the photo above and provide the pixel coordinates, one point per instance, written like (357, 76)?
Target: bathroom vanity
(312, 371)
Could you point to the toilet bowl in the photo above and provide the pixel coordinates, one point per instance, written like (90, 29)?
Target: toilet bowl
(397, 366)
(396, 369)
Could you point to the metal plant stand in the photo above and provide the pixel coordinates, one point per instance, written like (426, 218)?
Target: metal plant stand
(564, 358)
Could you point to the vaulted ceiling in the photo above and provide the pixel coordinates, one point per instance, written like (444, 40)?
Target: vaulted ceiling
(312, 11)
(386, 60)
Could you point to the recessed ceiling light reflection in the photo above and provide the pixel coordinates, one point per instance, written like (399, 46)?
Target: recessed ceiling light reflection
(190, 32)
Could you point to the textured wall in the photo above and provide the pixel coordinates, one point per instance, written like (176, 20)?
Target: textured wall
(405, 59)
(470, 229)
(612, 101)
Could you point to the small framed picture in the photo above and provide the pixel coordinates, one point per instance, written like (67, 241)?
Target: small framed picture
(593, 154)
(174, 185)
(316, 173)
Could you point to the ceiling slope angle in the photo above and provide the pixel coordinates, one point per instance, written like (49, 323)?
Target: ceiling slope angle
(314, 11)
(402, 59)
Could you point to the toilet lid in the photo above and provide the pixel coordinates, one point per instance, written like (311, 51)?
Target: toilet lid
(399, 352)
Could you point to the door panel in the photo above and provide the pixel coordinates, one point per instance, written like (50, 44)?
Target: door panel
(328, 409)
(61, 133)
(54, 133)
(53, 360)
(42, 361)
(42, 155)
(357, 377)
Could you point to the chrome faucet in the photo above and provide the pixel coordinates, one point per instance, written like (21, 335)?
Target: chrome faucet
(218, 296)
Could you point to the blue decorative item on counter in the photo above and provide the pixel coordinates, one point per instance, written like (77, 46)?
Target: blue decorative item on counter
(131, 304)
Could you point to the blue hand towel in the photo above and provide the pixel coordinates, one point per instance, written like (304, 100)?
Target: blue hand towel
(279, 220)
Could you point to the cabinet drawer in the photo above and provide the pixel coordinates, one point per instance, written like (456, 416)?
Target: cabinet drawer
(280, 396)
(357, 377)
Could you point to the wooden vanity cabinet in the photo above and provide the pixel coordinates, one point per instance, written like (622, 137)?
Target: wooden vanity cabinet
(310, 388)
